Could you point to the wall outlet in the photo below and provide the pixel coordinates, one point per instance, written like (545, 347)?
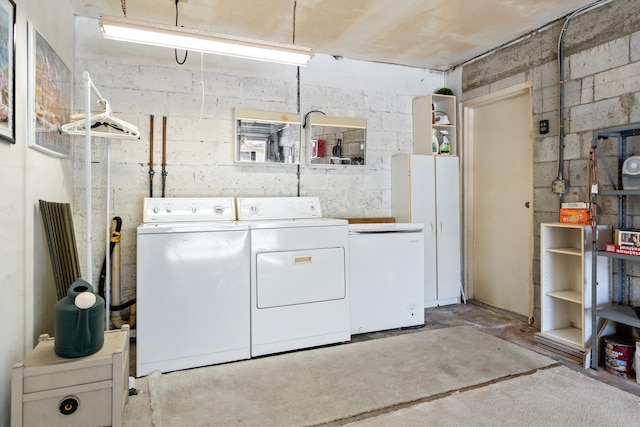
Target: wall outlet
(544, 127)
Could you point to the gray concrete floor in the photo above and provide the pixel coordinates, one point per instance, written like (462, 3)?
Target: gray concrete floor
(501, 324)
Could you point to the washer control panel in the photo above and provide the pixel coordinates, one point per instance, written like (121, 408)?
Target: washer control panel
(188, 209)
(266, 208)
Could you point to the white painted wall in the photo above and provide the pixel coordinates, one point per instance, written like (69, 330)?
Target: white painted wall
(28, 291)
(140, 81)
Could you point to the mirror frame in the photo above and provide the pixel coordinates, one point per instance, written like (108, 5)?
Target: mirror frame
(339, 122)
(269, 118)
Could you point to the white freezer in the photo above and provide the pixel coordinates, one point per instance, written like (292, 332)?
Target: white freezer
(386, 276)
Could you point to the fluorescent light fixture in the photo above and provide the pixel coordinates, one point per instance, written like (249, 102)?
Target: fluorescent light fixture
(135, 31)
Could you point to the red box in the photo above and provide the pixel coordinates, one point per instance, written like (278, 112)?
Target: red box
(625, 250)
(575, 216)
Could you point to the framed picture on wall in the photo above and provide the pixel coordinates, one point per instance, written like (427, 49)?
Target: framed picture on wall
(7, 71)
(50, 91)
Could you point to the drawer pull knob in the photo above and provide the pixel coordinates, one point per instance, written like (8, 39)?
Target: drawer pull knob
(69, 405)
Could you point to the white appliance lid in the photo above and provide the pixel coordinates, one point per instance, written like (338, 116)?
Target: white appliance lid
(191, 227)
(293, 223)
(388, 227)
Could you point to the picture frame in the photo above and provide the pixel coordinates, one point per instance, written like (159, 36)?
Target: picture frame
(49, 97)
(7, 71)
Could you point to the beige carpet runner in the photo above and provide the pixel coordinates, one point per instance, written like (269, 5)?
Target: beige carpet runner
(316, 386)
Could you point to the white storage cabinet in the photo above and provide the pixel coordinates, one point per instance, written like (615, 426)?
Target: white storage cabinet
(90, 391)
(426, 189)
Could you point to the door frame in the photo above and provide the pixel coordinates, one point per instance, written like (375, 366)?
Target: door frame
(466, 155)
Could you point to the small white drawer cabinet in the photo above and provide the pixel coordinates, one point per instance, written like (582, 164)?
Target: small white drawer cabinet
(48, 390)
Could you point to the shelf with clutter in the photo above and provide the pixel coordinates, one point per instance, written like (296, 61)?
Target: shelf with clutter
(622, 184)
(434, 125)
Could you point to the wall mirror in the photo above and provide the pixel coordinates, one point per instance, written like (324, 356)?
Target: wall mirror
(267, 137)
(336, 140)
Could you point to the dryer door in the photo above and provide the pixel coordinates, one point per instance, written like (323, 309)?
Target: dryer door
(299, 277)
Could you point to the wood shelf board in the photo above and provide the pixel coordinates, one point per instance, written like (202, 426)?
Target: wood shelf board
(568, 295)
(375, 220)
(569, 335)
(566, 251)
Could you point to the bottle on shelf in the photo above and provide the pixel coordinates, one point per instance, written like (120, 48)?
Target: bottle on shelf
(435, 144)
(445, 147)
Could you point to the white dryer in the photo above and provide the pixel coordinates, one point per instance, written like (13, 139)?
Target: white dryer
(192, 285)
(299, 283)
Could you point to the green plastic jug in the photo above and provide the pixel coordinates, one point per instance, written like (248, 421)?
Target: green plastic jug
(79, 322)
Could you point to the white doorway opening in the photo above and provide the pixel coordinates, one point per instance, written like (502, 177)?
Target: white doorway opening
(498, 210)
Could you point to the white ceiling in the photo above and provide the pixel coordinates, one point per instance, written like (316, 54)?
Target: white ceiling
(434, 34)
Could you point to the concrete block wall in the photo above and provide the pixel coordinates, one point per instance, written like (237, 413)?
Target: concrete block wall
(144, 81)
(602, 51)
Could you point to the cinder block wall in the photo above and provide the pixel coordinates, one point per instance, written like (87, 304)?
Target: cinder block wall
(602, 51)
(140, 82)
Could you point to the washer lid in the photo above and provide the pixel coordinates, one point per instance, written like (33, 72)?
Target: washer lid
(191, 227)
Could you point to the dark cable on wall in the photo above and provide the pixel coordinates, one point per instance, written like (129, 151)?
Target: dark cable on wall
(293, 37)
(304, 123)
(186, 53)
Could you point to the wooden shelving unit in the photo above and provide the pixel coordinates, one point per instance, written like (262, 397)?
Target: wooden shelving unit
(566, 300)
(423, 124)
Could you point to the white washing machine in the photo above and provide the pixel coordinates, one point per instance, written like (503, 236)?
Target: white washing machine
(192, 285)
(386, 276)
(299, 283)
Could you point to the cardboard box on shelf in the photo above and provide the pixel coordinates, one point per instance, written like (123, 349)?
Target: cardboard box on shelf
(575, 216)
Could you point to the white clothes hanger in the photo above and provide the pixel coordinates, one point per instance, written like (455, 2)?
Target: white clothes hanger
(104, 125)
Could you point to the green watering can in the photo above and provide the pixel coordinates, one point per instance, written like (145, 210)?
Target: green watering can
(79, 322)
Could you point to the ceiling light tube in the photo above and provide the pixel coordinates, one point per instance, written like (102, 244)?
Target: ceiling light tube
(135, 31)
